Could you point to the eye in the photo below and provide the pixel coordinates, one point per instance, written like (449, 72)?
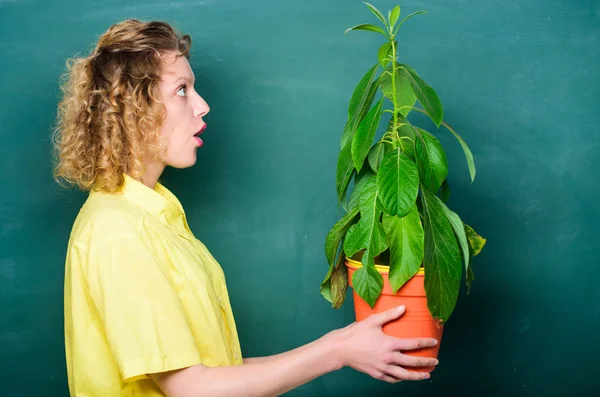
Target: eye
(181, 91)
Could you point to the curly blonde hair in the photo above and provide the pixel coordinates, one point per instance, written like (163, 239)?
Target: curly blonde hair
(110, 115)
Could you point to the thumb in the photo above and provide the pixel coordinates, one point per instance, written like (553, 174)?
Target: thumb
(388, 315)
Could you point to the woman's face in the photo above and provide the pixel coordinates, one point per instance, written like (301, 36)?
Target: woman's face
(185, 109)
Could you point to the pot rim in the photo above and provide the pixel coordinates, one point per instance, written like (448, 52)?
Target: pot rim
(383, 269)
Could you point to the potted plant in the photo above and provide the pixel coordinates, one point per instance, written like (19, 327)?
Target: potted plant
(398, 242)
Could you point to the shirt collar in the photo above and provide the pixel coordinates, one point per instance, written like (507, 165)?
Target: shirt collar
(159, 202)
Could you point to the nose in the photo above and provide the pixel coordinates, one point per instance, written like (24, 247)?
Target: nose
(201, 108)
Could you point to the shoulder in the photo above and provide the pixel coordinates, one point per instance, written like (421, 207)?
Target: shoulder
(106, 217)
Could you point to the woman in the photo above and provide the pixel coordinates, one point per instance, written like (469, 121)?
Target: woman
(147, 311)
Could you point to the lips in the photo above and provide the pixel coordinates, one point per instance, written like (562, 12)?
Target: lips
(199, 141)
(201, 130)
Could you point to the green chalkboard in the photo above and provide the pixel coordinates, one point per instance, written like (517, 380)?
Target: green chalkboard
(520, 80)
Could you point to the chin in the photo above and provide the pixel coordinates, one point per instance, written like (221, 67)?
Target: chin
(184, 164)
(187, 165)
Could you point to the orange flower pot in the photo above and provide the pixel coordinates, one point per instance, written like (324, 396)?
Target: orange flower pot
(416, 322)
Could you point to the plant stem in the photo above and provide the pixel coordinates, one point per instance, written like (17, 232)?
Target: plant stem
(394, 127)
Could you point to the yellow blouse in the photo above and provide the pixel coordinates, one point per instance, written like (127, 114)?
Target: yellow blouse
(142, 295)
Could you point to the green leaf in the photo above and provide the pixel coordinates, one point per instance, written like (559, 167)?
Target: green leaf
(443, 267)
(376, 154)
(466, 150)
(336, 234)
(424, 93)
(405, 97)
(408, 148)
(357, 238)
(476, 242)
(459, 230)
(385, 53)
(409, 16)
(431, 159)
(332, 245)
(394, 15)
(406, 240)
(368, 233)
(398, 183)
(368, 284)
(367, 26)
(343, 203)
(367, 259)
(445, 190)
(326, 286)
(361, 180)
(377, 13)
(359, 95)
(365, 133)
(360, 103)
(344, 171)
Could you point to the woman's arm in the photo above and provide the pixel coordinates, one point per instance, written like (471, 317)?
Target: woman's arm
(263, 359)
(362, 346)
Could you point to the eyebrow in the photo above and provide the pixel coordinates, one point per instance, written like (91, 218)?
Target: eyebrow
(185, 79)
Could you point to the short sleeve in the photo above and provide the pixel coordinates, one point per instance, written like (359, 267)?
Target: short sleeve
(146, 326)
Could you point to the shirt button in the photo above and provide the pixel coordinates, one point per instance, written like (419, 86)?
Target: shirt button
(235, 355)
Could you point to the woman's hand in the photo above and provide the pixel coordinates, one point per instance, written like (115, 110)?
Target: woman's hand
(364, 347)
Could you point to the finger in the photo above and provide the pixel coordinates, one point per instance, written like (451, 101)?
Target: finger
(406, 360)
(414, 343)
(387, 316)
(389, 379)
(404, 374)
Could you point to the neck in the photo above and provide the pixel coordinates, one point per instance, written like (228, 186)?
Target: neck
(152, 173)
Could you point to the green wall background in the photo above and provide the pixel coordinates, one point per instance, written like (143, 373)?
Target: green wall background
(520, 80)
